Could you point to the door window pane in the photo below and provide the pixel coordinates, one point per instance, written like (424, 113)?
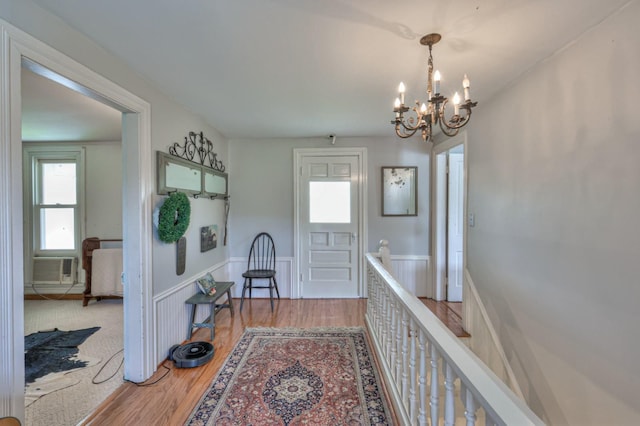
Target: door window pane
(57, 230)
(330, 202)
(58, 183)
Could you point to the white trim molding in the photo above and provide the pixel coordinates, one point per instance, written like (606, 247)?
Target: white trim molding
(484, 340)
(11, 238)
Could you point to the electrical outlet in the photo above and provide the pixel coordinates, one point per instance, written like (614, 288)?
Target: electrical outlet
(472, 220)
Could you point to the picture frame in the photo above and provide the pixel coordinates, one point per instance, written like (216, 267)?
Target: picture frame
(399, 190)
(208, 238)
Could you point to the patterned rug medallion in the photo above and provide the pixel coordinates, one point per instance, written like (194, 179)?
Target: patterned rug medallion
(292, 377)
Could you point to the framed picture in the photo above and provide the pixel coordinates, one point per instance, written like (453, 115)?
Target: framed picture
(399, 191)
(208, 238)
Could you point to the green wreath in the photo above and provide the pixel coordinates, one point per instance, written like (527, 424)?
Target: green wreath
(173, 220)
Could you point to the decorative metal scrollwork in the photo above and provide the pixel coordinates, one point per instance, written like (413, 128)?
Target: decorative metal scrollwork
(196, 143)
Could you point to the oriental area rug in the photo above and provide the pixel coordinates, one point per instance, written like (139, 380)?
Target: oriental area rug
(319, 376)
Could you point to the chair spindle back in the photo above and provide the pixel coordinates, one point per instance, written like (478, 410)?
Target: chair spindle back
(262, 255)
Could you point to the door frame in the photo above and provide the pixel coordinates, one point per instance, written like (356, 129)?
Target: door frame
(453, 216)
(139, 334)
(439, 214)
(298, 155)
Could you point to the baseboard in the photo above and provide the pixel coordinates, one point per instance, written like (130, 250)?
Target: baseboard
(484, 340)
(54, 289)
(54, 296)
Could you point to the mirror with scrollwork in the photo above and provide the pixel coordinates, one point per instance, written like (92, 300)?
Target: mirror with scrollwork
(177, 174)
(399, 191)
(215, 183)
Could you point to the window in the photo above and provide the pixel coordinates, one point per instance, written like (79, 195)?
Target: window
(329, 202)
(56, 199)
(57, 204)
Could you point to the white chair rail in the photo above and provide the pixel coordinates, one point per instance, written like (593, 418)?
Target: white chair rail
(413, 347)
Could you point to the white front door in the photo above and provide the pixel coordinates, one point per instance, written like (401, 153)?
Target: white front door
(328, 237)
(455, 227)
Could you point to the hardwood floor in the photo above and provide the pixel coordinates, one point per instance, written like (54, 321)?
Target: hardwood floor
(450, 313)
(173, 397)
(171, 400)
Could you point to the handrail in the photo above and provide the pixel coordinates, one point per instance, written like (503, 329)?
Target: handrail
(411, 342)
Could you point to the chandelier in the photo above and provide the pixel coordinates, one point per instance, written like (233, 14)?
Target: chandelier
(433, 112)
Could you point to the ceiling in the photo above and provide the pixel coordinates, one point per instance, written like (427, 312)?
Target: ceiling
(308, 68)
(51, 112)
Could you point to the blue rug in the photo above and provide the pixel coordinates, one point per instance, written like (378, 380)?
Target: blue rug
(53, 351)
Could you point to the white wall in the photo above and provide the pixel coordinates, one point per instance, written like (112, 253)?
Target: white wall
(261, 188)
(553, 182)
(103, 193)
(103, 189)
(170, 122)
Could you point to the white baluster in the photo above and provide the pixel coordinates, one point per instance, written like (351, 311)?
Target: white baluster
(373, 297)
(378, 312)
(398, 346)
(379, 307)
(383, 321)
(369, 292)
(449, 396)
(388, 315)
(381, 318)
(393, 361)
(413, 378)
(435, 390)
(422, 378)
(469, 406)
(405, 358)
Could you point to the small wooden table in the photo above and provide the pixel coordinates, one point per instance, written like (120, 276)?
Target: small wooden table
(203, 299)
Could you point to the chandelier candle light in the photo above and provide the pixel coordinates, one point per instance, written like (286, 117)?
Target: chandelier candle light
(433, 112)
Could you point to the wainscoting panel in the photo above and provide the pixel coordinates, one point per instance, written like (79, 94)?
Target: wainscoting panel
(484, 341)
(284, 274)
(413, 273)
(171, 314)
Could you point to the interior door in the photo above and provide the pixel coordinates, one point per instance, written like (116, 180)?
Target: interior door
(329, 240)
(455, 227)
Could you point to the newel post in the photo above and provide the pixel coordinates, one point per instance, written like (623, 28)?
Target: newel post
(385, 255)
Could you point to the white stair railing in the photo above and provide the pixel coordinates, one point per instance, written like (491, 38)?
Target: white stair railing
(425, 366)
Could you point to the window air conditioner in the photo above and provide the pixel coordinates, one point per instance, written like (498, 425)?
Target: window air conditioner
(54, 270)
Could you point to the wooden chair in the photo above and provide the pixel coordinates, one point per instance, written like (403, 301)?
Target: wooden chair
(261, 265)
(9, 421)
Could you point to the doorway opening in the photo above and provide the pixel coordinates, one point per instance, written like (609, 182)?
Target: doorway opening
(72, 187)
(449, 191)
